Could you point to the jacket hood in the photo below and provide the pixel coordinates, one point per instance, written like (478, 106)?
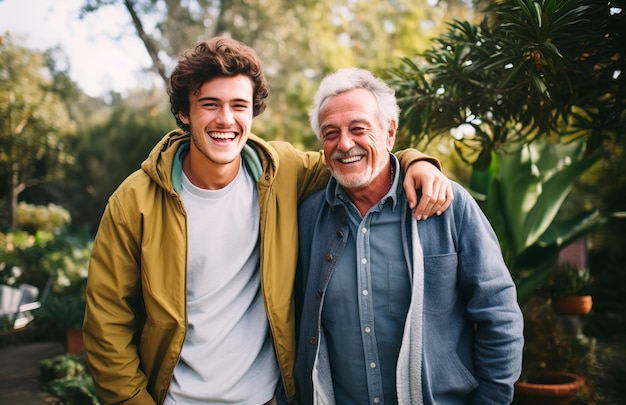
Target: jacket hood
(164, 163)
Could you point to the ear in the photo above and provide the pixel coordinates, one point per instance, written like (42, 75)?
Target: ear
(183, 118)
(391, 134)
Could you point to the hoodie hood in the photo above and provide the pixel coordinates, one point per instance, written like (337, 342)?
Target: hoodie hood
(164, 163)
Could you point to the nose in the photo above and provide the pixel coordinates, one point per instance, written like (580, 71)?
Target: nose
(225, 117)
(345, 141)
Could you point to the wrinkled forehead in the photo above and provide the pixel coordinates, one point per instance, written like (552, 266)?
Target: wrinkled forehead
(349, 105)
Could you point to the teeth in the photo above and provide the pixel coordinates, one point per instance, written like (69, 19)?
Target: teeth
(222, 135)
(351, 159)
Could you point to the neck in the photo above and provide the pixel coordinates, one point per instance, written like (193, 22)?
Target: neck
(204, 174)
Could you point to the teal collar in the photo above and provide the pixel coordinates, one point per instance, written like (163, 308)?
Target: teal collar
(249, 155)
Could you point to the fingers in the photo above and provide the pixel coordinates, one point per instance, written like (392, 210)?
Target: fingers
(435, 198)
(435, 190)
(410, 190)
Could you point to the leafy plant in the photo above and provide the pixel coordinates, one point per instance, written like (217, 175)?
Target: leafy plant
(64, 311)
(521, 194)
(50, 218)
(570, 280)
(551, 345)
(20, 256)
(67, 377)
(532, 69)
(42, 249)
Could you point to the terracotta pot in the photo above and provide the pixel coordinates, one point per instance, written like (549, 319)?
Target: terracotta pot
(548, 388)
(74, 341)
(572, 305)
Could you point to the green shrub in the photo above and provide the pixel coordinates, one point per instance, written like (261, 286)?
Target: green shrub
(51, 217)
(63, 311)
(21, 254)
(36, 258)
(67, 377)
(50, 259)
(571, 280)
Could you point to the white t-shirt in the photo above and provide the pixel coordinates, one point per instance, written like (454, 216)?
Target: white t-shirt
(228, 356)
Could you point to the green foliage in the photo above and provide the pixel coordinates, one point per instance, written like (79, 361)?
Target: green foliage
(523, 189)
(299, 42)
(20, 256)
(530, 69)
(521, 194)
(35, 126)
(67, 377)
(112, 147)
(65, 311)
(570, 280)
(550, 344)
(68, 263)
(47, 260)
(43, 250)
(50, 218)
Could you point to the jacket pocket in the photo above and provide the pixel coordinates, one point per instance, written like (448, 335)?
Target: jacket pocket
(451, 378)
(440, 283)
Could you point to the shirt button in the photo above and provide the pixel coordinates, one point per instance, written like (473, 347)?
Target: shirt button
(364, 260)
(363, 230)
(365, 292)
(318, 293)
(312, 340)
(340, 234)
(372, 365)
(376, 400)
(329, 257)
(368, 329)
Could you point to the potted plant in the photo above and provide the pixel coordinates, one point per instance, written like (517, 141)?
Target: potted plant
(554, 361)
(570, 290)
(544, 387)
(66, 311)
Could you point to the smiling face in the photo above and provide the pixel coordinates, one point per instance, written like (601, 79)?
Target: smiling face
(355, 145)
(220, 117)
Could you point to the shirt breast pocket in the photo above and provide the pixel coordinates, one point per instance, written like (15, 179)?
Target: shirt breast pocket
(440, 283)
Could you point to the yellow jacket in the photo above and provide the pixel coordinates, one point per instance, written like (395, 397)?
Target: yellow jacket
(135, 320)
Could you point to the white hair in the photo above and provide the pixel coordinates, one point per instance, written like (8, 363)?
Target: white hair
(354, 78)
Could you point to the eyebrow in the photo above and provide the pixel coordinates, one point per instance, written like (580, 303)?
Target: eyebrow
(235, 100)
(361, 121)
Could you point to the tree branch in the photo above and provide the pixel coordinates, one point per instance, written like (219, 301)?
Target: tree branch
(147, 41)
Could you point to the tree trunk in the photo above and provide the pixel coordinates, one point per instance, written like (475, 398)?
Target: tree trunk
(12, 199)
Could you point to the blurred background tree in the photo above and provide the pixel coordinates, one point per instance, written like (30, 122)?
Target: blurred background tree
(299, 42)
(35, 124)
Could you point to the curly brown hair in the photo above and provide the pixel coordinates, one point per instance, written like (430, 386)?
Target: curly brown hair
(215, 57)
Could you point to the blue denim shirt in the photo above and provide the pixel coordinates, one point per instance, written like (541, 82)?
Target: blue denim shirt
(366, 302)
(472, 325)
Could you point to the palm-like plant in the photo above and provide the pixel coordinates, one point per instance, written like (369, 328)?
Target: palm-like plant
(530, 69)
(521, 194)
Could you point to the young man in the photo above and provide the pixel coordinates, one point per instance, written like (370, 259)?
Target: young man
(395, 311)
(189, 296)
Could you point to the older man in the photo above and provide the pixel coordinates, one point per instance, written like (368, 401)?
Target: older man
(395, 311)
